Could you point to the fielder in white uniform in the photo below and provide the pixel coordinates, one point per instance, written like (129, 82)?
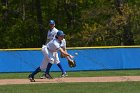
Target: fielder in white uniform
(50, 52)
(44, 63)
(52, 31)
(50, 35)
(53, 47)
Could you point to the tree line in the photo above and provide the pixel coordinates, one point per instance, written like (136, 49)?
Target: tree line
(24, 23)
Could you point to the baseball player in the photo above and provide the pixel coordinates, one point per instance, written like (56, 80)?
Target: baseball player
(51, 56)
(52, 49)
(50, 35)
(52, 31)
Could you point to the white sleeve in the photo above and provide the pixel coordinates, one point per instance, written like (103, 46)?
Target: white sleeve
(63, 44)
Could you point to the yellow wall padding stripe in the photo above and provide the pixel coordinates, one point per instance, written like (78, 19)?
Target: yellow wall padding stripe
(100, 47)
(94, 47)
(20, 49)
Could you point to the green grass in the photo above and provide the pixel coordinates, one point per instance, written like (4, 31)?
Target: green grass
(123, 87)
(76, 74)
(110, 87)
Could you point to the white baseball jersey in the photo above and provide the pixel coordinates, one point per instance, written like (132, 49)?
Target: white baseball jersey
(51, 34)
(54, 45)
(50, 52)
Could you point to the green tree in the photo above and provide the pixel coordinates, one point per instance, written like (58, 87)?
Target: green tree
(24, 23)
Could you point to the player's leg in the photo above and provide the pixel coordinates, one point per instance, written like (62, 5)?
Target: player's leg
(64, 74)
(48, 60)
(31, 76)
(60, 66)
(47, 72)
(39, 69)
(43, 67)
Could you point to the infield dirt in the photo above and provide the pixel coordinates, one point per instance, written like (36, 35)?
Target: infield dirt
(72, 79)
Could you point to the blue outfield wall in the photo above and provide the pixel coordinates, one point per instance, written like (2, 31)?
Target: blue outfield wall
(95, 58)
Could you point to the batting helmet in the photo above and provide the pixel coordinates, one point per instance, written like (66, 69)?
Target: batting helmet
(60, 33)
(51, 22)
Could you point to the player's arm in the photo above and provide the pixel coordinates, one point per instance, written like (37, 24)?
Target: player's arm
(68, 57)
(65, 53)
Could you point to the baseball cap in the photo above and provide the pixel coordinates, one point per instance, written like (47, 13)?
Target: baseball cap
(60, 33)
(51, 22)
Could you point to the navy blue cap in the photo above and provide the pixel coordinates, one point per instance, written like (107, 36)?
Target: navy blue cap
(60, 33)
(51, 22)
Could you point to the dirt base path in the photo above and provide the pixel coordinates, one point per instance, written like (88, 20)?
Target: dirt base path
(72, 79)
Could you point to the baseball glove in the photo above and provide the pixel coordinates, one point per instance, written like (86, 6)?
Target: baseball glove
(71, 63)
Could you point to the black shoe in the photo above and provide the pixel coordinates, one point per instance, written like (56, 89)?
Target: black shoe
(48, 76)
(31, 78)
(43, 76)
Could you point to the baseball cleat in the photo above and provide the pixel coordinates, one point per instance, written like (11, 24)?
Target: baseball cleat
(43, 76)
(31, 78)
(64, 74)
(49, 76)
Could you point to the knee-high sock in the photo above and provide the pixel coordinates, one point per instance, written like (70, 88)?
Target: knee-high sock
(36, 71)
(60, 66)
(48, 68)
